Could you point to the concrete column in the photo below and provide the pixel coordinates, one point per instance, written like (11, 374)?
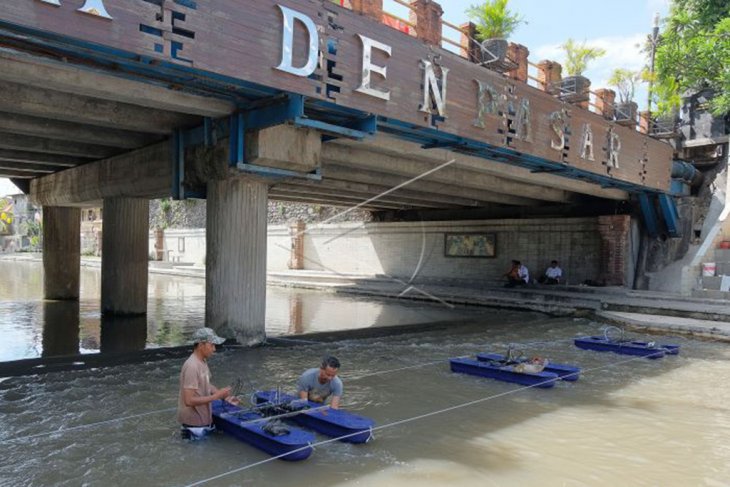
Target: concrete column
(549, 74)
(296, 231)
(235, 273)
(426, 14)
(605, 101)
(469, 47)
(369, 8)
(61, 252)
(518, 53)
(614, 230)
(124, 247)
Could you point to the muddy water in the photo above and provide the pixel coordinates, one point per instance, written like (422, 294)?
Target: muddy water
(626, 422)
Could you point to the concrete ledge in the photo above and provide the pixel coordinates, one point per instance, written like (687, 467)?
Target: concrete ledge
(716, 330)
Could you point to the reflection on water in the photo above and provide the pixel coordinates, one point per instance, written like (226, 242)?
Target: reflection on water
(33, 327)
(623, 423)
(60, 328)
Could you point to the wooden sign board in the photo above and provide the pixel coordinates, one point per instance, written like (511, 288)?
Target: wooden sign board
(247, 40)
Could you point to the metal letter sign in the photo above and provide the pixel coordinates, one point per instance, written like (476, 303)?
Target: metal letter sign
(430, 85)
(586, 146)
(367, 66)
(614, 148)
(487, 99)
(287, 43)
(91, 7)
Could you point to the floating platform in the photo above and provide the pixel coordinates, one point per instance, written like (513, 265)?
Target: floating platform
(565, 372)
(247, 426)
(650, 350)
(335, 423)
(503, 373)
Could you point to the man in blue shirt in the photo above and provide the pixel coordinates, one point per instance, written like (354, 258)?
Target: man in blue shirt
(318, 384)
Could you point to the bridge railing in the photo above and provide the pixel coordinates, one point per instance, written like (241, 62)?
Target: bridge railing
(422, 19)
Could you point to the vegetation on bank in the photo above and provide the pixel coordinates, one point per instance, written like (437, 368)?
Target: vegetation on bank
(693, 53)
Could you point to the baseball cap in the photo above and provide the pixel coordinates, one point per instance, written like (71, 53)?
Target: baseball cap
(207, 335)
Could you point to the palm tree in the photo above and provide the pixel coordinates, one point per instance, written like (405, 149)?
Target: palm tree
(494, 24)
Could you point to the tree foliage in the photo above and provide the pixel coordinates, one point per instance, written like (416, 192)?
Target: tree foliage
(577, 56)
(625, 81)
(494, 20)
(693, 53)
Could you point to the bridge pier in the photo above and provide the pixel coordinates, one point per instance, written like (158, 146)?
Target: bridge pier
(235, 275)
(61, 252)
(125, 243)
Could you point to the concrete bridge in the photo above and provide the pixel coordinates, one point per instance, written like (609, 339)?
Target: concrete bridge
(114, 102)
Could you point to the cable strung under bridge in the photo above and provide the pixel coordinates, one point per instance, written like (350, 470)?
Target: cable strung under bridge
(411, 419)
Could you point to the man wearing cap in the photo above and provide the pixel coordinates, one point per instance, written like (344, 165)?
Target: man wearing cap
(318, 384)
(194, 411)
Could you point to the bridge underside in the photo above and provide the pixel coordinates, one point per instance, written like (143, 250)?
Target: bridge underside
(60, 114)
(83, 127)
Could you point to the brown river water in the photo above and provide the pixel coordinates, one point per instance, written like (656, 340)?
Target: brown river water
(626, 422)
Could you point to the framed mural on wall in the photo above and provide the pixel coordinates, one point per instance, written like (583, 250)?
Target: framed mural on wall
(481, 245)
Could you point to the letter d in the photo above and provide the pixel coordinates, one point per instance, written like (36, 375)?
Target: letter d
(287, 43)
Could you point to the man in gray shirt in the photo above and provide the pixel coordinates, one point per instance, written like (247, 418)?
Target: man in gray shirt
(320, 383)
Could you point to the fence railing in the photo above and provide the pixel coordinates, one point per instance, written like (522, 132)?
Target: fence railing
(460, 41)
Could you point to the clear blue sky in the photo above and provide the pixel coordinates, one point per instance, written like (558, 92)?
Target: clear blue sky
(615, 25)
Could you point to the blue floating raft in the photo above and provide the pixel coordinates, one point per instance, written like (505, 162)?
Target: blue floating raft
(504, 373)
(565, 372)
(336, 423)
(641, 349)
(247, 426)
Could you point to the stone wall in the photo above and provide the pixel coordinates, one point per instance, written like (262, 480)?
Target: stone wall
(417, 249)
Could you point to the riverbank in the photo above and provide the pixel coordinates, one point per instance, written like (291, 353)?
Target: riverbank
(638, 310)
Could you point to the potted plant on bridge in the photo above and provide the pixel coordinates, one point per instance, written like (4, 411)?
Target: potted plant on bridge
(574, 88)
(625, 80)
(494, 24)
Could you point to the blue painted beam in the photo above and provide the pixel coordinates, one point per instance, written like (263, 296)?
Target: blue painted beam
(669, 212)
(650, 217)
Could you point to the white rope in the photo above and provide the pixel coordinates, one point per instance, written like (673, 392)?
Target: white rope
(382, 372)
(414, 418)
(88, 425)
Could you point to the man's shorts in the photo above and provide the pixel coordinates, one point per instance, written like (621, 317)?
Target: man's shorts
(189, 432)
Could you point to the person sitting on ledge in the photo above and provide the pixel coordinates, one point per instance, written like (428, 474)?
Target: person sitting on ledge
(518, 275)
(553, 274)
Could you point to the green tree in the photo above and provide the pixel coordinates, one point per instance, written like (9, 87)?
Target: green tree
(577, 56)
(693, 53)
(493, 19)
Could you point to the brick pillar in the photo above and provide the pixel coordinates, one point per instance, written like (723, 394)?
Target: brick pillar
(518, 53)
(549, 74)
(469, 47)
(614, 231)
(644, 122)
(426, 14)
(296, 231)
(605, 100)
(159, 244)
(369, 8)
